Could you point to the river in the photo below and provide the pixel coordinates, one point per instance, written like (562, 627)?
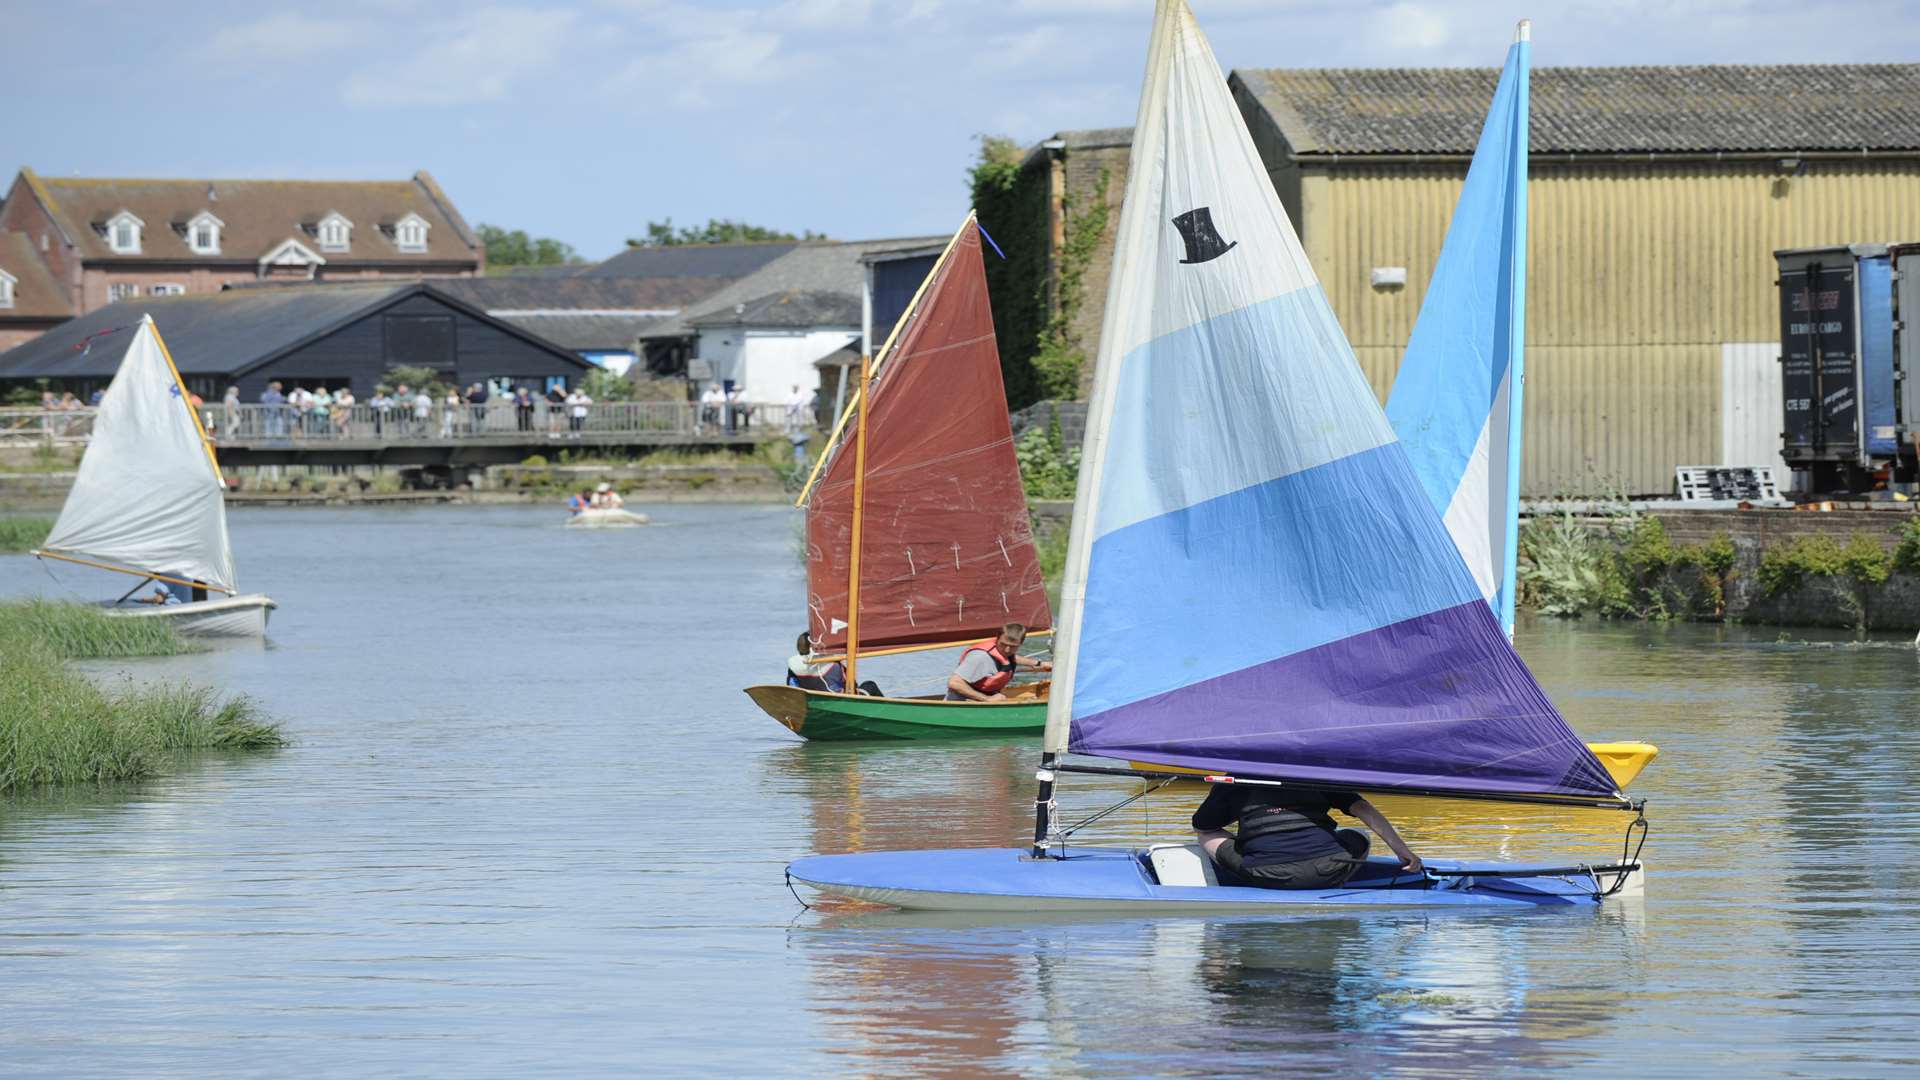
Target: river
(530, 822)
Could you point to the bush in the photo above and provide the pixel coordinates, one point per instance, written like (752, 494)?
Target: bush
(1047, 470)
(24, 533)
(1906, 555)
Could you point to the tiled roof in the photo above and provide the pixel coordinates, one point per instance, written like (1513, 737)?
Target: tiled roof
(35, 292)
(258, 216)
(791, 308)
(1689, 108)
(829, 267)
(223, 333)
(690, 260)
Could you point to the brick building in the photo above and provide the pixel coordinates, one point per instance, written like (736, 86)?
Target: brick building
(106, 240)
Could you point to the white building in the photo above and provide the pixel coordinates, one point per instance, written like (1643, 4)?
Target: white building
(767, 346)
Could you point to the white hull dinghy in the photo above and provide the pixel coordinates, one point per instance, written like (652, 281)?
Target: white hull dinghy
(605, 519)
(1245, 508)
(149, 501)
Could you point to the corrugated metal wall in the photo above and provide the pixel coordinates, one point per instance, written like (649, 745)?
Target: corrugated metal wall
(1637, 275)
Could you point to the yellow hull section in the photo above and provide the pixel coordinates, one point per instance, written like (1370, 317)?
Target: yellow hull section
(1624, 760)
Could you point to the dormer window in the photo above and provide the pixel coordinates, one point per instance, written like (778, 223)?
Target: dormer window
(203, 233)
(7, 282)
(335, 232)
(123, 233)
(410, 233)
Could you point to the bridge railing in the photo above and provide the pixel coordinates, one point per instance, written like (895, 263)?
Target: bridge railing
(496, 420)
(45, 427)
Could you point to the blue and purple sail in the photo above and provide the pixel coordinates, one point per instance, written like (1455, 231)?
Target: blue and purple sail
(1456, 402)
(1257, 582)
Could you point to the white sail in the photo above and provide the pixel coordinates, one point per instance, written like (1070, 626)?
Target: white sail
(148, 495)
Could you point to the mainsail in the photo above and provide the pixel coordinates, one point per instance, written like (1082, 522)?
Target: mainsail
(946, 546)
(148, 496)
(1456, 401)
(1256, 582)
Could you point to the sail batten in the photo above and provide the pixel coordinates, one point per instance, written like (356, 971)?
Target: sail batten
(148, 495)
(946, 544)
(1257, 582)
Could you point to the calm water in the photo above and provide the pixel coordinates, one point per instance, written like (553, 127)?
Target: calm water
(531, 822)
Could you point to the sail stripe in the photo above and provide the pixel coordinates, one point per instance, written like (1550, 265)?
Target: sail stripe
(1282, 567)
(1450, 398)
(1437, 701)
(1196, 432)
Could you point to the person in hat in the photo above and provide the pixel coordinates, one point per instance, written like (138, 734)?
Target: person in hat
(605, 498)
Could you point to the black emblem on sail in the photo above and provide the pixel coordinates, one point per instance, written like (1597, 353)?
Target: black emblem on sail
(1204, 242)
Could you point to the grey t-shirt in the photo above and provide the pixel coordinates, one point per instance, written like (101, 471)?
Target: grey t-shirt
(974, 666)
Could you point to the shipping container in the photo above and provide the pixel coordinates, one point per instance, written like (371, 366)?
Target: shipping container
(1906, 340)
(1840, 425)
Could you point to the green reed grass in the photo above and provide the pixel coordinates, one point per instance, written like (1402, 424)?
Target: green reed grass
(24, 533)
(59, 727)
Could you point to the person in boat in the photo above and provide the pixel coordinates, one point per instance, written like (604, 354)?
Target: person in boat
(986, 669)
(831, 676)
(579, 501)
(1287, 839)
(605, 498)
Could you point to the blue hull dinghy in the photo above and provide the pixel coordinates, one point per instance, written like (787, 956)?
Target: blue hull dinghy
(1257, 585)
(1178, 877)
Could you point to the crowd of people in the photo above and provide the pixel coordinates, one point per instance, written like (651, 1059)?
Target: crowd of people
(408, 411)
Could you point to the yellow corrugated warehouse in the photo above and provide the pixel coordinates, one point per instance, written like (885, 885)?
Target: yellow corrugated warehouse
(1657, 198)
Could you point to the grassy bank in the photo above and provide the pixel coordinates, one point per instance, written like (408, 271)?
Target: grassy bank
(23, 533)
(58, 727)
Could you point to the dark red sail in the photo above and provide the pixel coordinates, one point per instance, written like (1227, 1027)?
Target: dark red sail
(947, 549)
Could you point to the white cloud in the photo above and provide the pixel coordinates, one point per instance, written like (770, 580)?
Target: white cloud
(276, 37)
(489, 49)
(920, 11)
(698, 73)
(1413, 27)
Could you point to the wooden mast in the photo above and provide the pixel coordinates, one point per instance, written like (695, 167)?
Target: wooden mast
(859, 498)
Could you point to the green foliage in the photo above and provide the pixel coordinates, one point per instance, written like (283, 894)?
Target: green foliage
(1785, 567)
(1622, 565)
(418, 377)
(1047, 470)
(602, 385)
(1906, 555)
(1050, 544)
(1057, 362)
(516, 248)
(715, 231)
(24, 533)
(25, 394)
(56, 726)
(1568, 569)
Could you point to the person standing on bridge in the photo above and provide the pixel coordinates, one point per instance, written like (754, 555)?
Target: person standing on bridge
(578, 405)
(522, 409)
(556, 408)
(230, 412)
(276, 410)
(477, 403)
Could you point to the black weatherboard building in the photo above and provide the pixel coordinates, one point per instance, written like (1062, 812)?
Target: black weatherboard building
(320, 335)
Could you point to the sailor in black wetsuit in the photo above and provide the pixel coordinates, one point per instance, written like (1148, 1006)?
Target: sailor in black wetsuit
(1286, 840)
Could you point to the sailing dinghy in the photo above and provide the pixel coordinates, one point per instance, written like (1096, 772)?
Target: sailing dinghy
(1256, 585)
(1456, 400)
(149, 501)
(917, 531)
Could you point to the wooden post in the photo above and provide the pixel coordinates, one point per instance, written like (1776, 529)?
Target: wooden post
(859, 499)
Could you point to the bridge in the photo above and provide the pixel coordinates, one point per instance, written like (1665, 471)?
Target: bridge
(444, 440)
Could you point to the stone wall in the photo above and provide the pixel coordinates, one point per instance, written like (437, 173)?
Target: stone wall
(1838, 602)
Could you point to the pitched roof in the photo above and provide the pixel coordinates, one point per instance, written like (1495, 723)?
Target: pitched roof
(828, 267)
(223, 333)
(790, 308)
(690, 260)
(598, 331)
(36, 295)
(257, 216)
(1680, 109)
(663, 296)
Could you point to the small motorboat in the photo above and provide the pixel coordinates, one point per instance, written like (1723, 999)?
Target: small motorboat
(605, 519)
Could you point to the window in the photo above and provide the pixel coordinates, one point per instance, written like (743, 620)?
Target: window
(335, 233)
(410, 233)
(6, 289)
(167, 288)
(203, 233)
(123, 233)
(420, 341)
(119, 291)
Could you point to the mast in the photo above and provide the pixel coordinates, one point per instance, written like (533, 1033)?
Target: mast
(859, 498)
(1517, 307)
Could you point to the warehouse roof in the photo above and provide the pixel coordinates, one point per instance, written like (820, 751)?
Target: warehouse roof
(1679, 109)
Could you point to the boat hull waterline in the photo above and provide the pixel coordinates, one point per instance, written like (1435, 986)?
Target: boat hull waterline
(227, 616)
(826, 717)
(605, 519)
(1115, 879)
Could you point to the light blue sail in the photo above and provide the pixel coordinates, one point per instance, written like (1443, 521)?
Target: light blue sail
(1257, 581)
(1456, 403)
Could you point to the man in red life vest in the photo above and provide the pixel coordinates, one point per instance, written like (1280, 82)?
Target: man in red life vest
(986, 669)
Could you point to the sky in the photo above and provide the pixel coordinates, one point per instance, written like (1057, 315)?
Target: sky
(584, 120)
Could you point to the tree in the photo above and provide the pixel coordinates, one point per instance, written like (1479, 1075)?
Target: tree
(716, 231)
(603, 385)
(516, 248)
